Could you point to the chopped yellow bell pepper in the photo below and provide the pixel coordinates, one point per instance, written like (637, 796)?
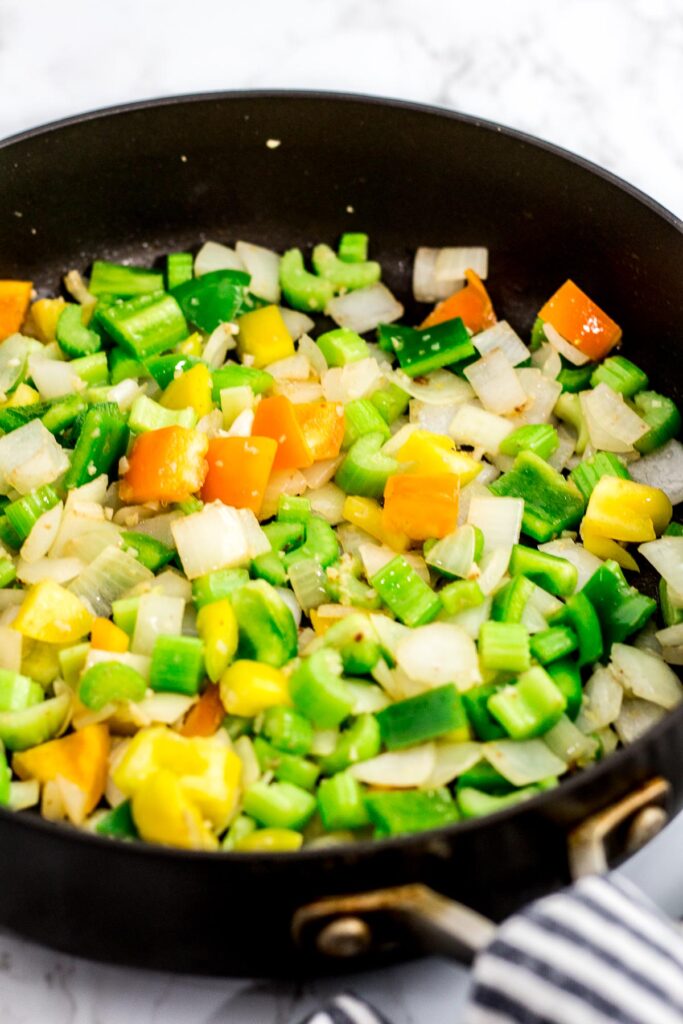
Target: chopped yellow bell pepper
(264, 336)
(366, 514)
(433, 453)
(163, 813)
(40, 661)
(192, 346)
(605, 548)
(217, 626)
(249, 687)
(53, 614)
(81, 758)
(24, 395)
(191, 390)
(107, 636)
(45, 313)
(208, 771)
(270, 840)
(624, 510)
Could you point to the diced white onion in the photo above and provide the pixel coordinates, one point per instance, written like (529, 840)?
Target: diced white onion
(612, 425)
(426, 286)
(389, 632)
(545, 603)
(257, 542)
(368, 698)
(234, 401)
(635, 718)
(439, 653)
(328, 501)
(219, 343)
(111, 575)
(124, 393)
(29, 458)
(493, 568)
(453, 261)
(565, 449)
(251, 769)
(563, 347)
(479, 428)
(496, 384)
(290, 600)
(173, 584)
(264, 267)
(602, 700)
(23, 795)
(450, 761)
(471, 619)
(523, 762)
(498, 518)
(242, 424)
(547, 360)
(671, 643)
(440, 387)
(10, 647)
(355, 380)
(13, 356)
(54, 379)
(320, 473)
(61, 570)
(298, 391)
(532, 619)
(645, 676)
(158, 615)
(662, 468)
(324, 742)
(214, 256)
(281, 481)
(400, 769)
(296, 323)
(210, 539)
(542, 393)
(434, 418)
(365, 308)
(159, 527)
(666, 555)
(164, 708)
(91, 542)
(296, 367)
(76, 287)
(42, 535)
(504, 338)
(584, 561)
(569, 743)
(309, 349)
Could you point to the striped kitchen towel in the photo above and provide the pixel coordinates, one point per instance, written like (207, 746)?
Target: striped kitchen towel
(598, 953)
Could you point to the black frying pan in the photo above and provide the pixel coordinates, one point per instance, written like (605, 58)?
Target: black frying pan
(142, 180)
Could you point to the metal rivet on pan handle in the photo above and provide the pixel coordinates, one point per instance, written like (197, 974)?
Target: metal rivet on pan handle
(345, 927)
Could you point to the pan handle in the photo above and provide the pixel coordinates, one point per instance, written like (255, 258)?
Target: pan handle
(352, 927)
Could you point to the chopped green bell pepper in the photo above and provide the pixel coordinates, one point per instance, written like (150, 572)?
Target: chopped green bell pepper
(621, 609)
(212, 299)
(424, 717)
(396, 813)
(551, 503)
(267, 631)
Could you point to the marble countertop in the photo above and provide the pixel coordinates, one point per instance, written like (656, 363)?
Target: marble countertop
(601, 77)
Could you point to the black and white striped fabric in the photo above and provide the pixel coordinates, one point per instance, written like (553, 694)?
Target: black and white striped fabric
(598, 953)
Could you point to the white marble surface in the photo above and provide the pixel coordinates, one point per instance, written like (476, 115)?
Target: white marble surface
(601, 77)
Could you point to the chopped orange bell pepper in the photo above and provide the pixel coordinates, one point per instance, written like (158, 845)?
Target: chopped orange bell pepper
(276, 417)
(580, 321)
(323, 427)
(80, 758)
(472, 304)
(206, 716)
(14, 299)
(107, 636)
(165, 465)
(239, 468)
(421, 505)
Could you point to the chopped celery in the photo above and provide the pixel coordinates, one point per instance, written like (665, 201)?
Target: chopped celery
(353, 247)
(110, 681)
(177, 664)
(504, 646)
(121, 281)
(365, 469)
(405, 593)
(621, 375)
(588, 472)
(341, 801)
(342, 346)
(149, 551)
(74, 338)
(344, 276)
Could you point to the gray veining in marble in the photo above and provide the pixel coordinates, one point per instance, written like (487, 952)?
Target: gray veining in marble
(601, 77)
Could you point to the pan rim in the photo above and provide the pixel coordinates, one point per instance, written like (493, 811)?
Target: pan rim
(614, 761)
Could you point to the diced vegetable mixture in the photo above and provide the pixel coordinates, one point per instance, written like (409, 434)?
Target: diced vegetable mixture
(277, 567)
